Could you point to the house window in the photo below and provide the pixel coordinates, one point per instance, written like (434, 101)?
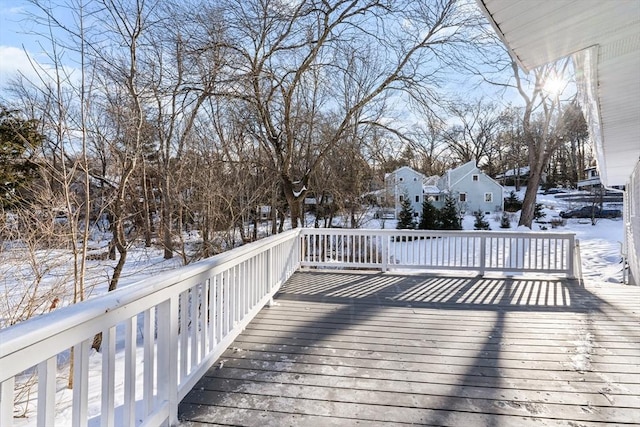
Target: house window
(415, 214)
(415, 179)
(463, 197)
(417, 199)
(401, 179)
(436, 198)
(475, 178)
(488, 197)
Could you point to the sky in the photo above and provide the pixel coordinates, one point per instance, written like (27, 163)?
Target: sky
(18, 44)
(13, 26)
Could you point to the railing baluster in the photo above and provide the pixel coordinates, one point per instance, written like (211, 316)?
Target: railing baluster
(130, 371)
(168, 357)
(184, 335)
(227, 304)
(214, 312)
(107, 418)
(80, 384)
(149, 325)
(204, 321)
(193, 330)
(46, 392)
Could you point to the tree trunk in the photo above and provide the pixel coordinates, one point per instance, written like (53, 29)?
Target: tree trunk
(146, 214)
(529, 202)
(167, 218)
(294, 200)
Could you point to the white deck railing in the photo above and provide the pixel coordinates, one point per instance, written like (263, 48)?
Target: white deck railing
(171, 328)
(168, 330)
(481, 251)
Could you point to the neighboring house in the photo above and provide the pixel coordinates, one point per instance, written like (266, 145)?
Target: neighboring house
(591, 181)
(515, 176)
(401, 183)
(472, 188)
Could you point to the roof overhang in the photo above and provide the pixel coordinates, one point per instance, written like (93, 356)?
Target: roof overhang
(603, 38)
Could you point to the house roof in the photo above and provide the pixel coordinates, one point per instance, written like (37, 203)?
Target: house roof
(431, 189)
(512, 172)
(604, 39)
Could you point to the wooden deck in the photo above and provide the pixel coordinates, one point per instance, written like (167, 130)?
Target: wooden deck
(359, 348)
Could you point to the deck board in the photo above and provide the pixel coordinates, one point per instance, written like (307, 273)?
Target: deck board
(361, 348)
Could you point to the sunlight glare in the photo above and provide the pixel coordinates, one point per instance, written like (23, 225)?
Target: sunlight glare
(554, 85)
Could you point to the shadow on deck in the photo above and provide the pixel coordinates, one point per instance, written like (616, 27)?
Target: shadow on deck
(347, 348)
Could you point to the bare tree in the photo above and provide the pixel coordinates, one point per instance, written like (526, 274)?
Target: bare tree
(428, 145)
(512, 152)
(293, 58)
(540, 124)
(473, 137)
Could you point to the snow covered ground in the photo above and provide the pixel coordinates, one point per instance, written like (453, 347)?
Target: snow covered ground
(601, 265)
(600, 244)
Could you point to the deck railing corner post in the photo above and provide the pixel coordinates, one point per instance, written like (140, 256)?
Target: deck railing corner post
(483, 254)
(574, 258)
(269, 270)
(168, 357)
(385, 252)
(7, 397)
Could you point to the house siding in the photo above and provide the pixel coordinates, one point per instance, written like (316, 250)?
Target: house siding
(406, 181)
(461, 180)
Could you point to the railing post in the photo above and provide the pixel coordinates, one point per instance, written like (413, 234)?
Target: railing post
(46, 392)
(80, 384)
(385, 252)
(483, 254)
(576, 262)
(168, 357)
(6, 402)
(269, 274)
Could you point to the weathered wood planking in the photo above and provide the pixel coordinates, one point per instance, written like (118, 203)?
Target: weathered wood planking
(344, 348)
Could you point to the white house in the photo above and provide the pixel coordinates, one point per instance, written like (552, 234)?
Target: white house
(592, 181)
(405, 182)
(471, 188)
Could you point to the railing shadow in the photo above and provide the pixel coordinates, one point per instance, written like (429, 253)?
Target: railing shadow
(456, 293)
(360, 297)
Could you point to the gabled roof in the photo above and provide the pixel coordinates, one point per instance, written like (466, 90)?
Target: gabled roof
(407, 168)
(461, 171)
(604, 39)
(453, 176)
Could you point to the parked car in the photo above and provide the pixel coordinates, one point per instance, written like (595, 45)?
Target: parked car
(591, 211)
(555, 191)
